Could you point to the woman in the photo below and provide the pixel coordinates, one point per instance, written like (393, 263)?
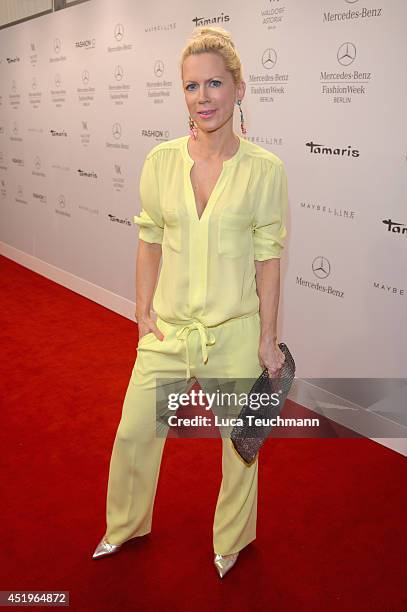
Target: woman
(213, 207)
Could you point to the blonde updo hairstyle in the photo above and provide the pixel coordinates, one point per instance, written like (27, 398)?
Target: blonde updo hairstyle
(214, 40)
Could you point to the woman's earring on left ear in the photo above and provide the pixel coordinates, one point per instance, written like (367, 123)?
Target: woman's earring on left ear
(242, 125)
(192, 128)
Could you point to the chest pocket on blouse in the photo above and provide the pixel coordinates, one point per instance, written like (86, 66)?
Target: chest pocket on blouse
(234, 234)
(172, 228)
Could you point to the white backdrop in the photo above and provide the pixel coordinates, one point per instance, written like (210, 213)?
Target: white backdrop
(86, 92)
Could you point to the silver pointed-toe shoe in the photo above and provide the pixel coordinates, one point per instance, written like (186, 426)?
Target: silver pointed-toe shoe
(224, 563)
(104, 548)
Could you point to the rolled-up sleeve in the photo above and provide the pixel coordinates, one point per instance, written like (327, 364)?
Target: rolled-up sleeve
(150, 218)
(269, 225)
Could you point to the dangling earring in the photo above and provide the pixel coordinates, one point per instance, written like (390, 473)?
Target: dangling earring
(193, 130)
(242, 125)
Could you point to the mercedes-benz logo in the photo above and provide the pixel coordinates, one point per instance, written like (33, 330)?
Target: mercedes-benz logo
(321, 267)
(159, 68)
(37, 163)
(119, 31)
(34, 83)
(117, 130)
(85, 77)
(346, 54)
(269, 59)
(57, 45)
(118, 73)
(61, 201)
(57, 81)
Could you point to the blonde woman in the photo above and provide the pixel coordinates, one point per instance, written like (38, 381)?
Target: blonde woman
(213, 210)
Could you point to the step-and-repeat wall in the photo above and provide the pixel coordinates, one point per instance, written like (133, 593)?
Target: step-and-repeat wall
(86, 92)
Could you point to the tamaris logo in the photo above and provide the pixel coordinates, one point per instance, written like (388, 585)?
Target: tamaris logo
(118, 220)
(202, 21)
(395, 228)
(59, 133)
(88, 174)
(320, 149)
(88, 43)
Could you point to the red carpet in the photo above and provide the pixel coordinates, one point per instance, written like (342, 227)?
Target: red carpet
(332, 513)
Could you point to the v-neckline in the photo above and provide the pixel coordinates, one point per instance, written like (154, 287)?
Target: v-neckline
(212, 198)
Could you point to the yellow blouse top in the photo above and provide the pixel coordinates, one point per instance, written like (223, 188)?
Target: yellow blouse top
(208, 273)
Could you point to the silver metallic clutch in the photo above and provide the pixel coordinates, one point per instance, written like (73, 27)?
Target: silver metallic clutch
(249, 437)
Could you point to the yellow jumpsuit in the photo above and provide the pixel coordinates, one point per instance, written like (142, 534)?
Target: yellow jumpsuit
(208, 310)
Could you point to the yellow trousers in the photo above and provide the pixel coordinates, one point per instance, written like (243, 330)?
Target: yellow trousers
(188, 352)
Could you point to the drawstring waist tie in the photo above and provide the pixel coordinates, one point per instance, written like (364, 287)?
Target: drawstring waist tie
(207, 338)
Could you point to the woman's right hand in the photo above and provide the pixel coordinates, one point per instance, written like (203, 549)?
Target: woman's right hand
(148, 325)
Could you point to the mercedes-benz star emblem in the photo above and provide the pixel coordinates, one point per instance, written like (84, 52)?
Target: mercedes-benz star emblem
(118, 73)
(346, 54)
(158, 68)
(119, 31)
(269, 59)
(321, 267)
(116, 130)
